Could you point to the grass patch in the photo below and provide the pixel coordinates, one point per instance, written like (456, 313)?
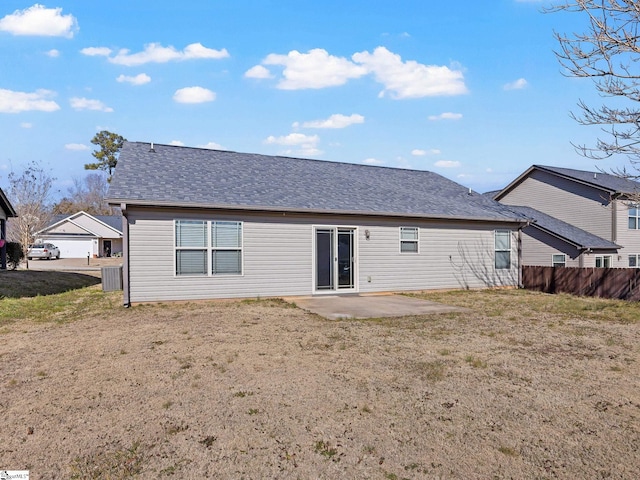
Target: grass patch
(325, 449)
(114, 463)
(475, 362)
(59, 308)
(31, 283)
(528, 305)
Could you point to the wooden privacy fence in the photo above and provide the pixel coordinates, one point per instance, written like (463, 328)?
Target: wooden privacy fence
(622, 283)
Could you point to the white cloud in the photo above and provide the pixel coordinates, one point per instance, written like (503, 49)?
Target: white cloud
(96, 51)
(194, 95)
(76, 146)
(316, 69)
(518, 84)
(176, 143)
(421, 153)
(298, 139)
(258, 72)
(53, 53)
(410, 79)
(156, 53)
(15, 102)
(211, 146)
(26, 125)
(372, 161)
(39, 21)
(446, 116)
(447, 164)
(334, 121)
(78, 103)
(139, 79)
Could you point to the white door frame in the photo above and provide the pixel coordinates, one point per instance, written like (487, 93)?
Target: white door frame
(334, 287)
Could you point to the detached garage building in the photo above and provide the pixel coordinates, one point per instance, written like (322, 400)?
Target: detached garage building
(203, 224)
(81, 235)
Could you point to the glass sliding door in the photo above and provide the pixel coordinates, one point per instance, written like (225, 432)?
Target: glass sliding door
(324, 259)
(335, 259)
(345, 258)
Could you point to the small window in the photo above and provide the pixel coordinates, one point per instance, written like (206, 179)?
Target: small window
(408, 239)
(559, 260)
(603, 261)
(633, 261)
(634, 214)
(502, 249)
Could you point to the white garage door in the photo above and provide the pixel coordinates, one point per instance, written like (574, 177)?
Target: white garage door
(76, 248)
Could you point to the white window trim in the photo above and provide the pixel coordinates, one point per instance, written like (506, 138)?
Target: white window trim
(637, 258)
(603, 257)
(559, 264)
(209, 249)
(636, 216)
(416, 241)
(496, 250)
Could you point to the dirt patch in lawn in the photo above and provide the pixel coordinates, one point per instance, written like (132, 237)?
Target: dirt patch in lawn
(526, 386)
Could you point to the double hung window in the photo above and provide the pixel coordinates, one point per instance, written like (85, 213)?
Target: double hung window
(559, 260)
(408, 239)
(634, 217)
(502, 249)
(208, 247)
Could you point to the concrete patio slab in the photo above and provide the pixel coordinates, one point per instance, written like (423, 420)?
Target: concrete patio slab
(335, 307)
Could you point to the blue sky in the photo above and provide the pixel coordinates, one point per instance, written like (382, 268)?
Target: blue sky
(470, 90)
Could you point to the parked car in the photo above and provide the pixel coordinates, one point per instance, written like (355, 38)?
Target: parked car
(43, 250)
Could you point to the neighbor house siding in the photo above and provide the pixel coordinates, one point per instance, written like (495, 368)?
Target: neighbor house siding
(628, 238)
(572, 202)
(278, 256)
(538, 248)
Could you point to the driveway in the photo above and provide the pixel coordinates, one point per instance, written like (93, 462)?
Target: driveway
(73, 264)
(335, 307)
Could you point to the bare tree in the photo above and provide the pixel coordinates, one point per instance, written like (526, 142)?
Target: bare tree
(30, 195)
(86, 195)
(608, 53)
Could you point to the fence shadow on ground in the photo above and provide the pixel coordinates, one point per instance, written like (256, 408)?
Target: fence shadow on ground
(31, 283)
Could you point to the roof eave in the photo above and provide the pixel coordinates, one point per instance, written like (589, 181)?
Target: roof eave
(260, 208)
(579, 246)
(6, 205)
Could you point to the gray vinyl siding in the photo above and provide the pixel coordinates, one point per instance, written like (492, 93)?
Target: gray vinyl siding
(577, 204)
(539, 247)
(628, 239)
(278, 257)
(452, 255)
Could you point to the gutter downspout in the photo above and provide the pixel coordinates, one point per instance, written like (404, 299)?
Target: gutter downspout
(3, 249)
(520, 284)
(125, 256)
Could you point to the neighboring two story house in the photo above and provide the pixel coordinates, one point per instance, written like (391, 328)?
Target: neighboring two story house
(578, 218)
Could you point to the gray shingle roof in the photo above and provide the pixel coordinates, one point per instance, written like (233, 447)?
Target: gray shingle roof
(182, 176)
(570, 233)
(114, 221)
(606, 181)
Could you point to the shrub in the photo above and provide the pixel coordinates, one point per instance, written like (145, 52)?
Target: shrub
(14, 254)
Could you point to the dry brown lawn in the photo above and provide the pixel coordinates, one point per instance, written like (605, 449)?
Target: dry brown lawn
(527, 386)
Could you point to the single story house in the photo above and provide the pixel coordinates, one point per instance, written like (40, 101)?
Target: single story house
(81, 235)
(6, 211)
(204, 224)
